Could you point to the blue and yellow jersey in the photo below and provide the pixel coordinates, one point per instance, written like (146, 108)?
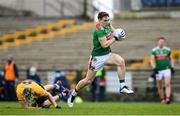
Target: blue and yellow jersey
(38, 89)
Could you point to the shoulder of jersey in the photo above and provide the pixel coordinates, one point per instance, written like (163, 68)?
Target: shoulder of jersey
(167, 48)
(99, 27)
(155, 48)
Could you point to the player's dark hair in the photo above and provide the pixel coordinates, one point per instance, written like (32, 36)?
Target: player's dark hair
(27, 93)
(161, 38)
(102, 14)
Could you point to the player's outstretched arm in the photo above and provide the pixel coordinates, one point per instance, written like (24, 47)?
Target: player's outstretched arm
(172, 61)
(152, 61)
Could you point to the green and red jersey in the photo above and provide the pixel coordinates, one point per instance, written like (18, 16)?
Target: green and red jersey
(162, 57)
(100, 32)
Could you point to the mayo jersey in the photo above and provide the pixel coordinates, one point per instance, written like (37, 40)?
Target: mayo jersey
(98, 33)
(162, 57)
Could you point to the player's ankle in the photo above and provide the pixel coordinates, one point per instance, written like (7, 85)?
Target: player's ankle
(75, 92)
(162, 100)
(60, 95)
(167, 99)
(122, 83)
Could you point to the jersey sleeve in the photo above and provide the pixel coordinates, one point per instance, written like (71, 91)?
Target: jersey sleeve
(19, 92)
(152, 52)
(169, 52)
(20, 97)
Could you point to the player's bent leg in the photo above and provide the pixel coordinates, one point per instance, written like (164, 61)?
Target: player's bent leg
(82, 83)
(57, 87)
(47, 103)
(48, 87)
(89, 78)
(117, 60)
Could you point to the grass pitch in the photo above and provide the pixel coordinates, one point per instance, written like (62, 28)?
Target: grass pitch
(89, 108)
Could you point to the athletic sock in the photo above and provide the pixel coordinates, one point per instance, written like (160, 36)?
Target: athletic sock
(56, 87)
(122, 83)
(75, 92)
(167, 98)
(60, 95)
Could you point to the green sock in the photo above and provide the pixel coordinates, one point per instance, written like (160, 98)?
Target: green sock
(121, 81)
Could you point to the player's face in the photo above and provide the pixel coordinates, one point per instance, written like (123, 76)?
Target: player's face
(104, 21)
(161, 43)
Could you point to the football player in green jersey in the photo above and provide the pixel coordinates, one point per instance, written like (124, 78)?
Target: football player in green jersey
(101, 54)
(162, 63)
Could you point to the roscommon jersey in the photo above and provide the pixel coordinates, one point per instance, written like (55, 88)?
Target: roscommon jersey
(162, 57)
(37, 88)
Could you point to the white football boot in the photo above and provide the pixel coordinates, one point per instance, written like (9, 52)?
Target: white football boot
(70, 100)
(126, 90)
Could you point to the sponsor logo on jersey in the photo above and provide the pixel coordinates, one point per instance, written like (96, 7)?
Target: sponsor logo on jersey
(161, 56)
(109, 35)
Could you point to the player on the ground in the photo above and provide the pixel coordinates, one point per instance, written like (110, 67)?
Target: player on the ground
(163, 66)
(31, 94)
(101, 54)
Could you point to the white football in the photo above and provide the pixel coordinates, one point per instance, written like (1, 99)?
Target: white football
(119, 33)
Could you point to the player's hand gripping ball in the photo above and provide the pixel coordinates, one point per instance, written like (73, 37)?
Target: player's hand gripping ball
(119, 34)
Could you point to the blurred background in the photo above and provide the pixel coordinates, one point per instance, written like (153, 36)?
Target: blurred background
(51, 39)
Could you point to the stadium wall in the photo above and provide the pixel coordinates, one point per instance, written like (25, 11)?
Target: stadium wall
(47, 8)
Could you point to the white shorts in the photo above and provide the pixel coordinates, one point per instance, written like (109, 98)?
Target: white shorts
(163, 74)
(97, 62)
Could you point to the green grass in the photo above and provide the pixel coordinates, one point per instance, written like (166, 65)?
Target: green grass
(88, 108)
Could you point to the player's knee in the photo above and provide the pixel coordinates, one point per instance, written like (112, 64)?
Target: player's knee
(167, 85)
(121, 62)
(89, 81)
